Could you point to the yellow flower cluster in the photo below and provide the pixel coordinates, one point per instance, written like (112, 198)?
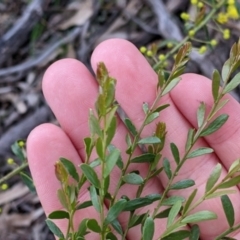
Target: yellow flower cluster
(231, 13)
(4, 186)
(226, 33)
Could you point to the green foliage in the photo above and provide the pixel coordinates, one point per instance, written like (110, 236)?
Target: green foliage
(176, 209)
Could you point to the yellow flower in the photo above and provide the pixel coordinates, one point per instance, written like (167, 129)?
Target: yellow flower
(143, 49)
(213, 42)
(21, 144)
(149, 53)
(230, 2)
(202, 49)
(226, 33)
(185, 16)
(194, 2)
(10, 161)
(161, 57)
(4, 186)
(232, 12)
(200, 5)
(169, 45)
(191, 33)
(222, 17)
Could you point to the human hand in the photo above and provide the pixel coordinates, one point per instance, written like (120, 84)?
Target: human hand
(71, 90)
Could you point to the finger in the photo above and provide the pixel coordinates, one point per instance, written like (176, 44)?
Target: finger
(224, 141)
(71, 79)
(137, 84)
(45, 145)
(69, 88)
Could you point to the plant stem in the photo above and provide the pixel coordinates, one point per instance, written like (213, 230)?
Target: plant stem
(14, 172)
(195, 29)
(225, 233)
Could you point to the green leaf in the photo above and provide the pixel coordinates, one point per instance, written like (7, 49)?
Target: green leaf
(232, 84)
(220, 193)
(130, 126)
(228, 210)
(189, 201)
(215, 125)
(195, 233)
(221, 104)
(28, 181)
(96, 162)
(82, 228)
(94, 124)
(212, 180)
(171, 85)
(175, 153)
(54, 228)
(59, 214)
(189, 141)
(148, 229)
(106, 186)
(133, 178)
(90, 175)
(62, 198)
(145, 108)
(141, 202)
(199, 152)
(186, 183)
(84, 205)
(111, 130)
(149, 140)
(161, 78)
(117, 226)
(235, 167)
(151, 118)
(199, 217)
(216, 78)
(172, 200)
(92, 224)
(136, 220)
(201, 114)
(233, 182)
(111, 236)
(111, 161)
(173, 213)
(88, 146)
(114, 211)
(99, 148)
(18, 151)
(226, 70)
(71, 169)
(164, 213)
(144, 158)
(167, 168)
(179, 235)
(162, 107)
(94, 198)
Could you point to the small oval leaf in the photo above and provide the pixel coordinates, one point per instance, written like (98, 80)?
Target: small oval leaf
(186, 183)
(215, 125)
(213, 177)
(90, 174)
(228, 210)
(199, 152)
(148, 229)
(133, 178)
(149, 140)
(199, 217)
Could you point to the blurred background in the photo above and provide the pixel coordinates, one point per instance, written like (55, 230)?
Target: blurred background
(35, 33)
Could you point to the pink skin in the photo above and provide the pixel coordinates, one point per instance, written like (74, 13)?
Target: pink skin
(71, 90)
